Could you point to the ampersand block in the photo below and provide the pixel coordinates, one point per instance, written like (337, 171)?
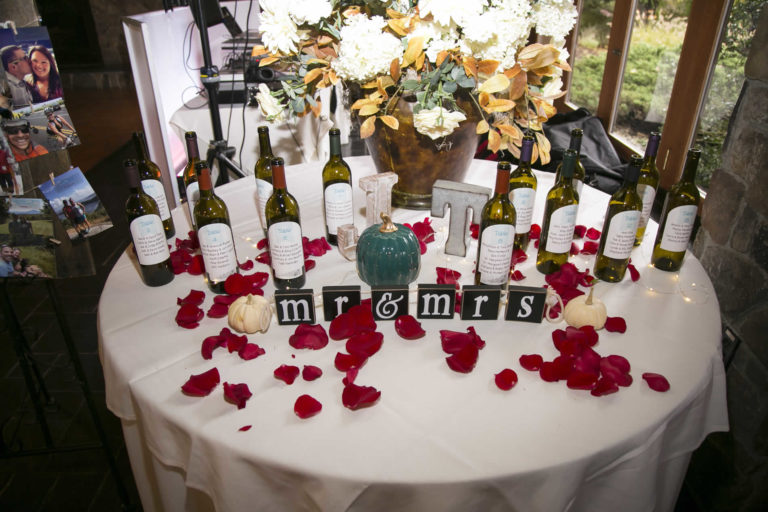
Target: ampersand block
(378, 195)
(459, 197)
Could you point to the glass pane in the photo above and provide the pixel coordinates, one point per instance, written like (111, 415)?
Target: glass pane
(725, 85)
(591, 50)
(649, 72)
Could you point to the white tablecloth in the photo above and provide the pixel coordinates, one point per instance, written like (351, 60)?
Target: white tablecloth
(437, 440)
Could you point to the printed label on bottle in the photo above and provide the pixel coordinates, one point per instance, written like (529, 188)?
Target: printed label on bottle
(193, 195)
(647, 194)
(522, 200)
(264, 189)
(578, 185)
(149, 239)
(621, 235)
(285, 249)
(561, 225)
(218, 250)
(496, 246)
(155, 190)
(338, 206)
(678, 228)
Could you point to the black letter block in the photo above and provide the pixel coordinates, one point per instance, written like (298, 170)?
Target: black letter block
(295, 306)
(525, 304)
(338, 300)
(389, 302)
(480, 302)
(435, 301)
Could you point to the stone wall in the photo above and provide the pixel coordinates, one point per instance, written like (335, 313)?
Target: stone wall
(730, 470)
(107, 15)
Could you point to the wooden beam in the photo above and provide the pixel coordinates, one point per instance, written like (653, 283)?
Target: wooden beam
(570, 44)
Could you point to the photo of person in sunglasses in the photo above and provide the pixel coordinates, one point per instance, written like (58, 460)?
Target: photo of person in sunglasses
(17, 132)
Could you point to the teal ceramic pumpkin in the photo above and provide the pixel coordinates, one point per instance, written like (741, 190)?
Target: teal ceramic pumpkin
(388, 254)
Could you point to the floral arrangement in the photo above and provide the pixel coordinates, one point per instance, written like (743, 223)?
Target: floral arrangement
(434, 51)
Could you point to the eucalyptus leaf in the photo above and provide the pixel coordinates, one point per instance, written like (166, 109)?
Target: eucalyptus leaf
(466, 82)
(450, 87)
(456, 72)
(421, 96)
(297, 105)
(410, 85)
(310, 100)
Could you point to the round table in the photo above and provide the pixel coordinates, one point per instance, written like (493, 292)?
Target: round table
(437, 439)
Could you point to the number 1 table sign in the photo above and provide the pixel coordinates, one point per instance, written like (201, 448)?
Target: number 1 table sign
(378, 195)
(459, 197)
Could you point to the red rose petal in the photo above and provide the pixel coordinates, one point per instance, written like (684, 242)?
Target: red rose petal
(582, 380)
(350, 377)
(188, 316)
(604, 387)
(423, 230)
(237, 393)
(656, 382)
(365, 344)
(535, 232)
(196, 267)
(589, 360)
(517, 276)
(615, 324)
(195, 297)
(261, 244)
(346, 362)
(408, 328)
(531, 362)
(235, 343)
(246, 265)
(536, 244)
(193, 241)
(236, 284)
(590, 248)
(474, 230)
(357, 319)
(311, 372)
(448, 276)
(506, 379)
(225, 300)
(518, 256)
(633, 272)
(590, 335)
(558, 338)
(210, 344)
(309, 265)
(579, 231)
(574, 249)
(286, 373)
(563, 366)
(620, 362)
(263, 257)
(250, 351)
(464, 360)
(257, 279)
(309, 336)
(593, 234)
(202, 384)
(245, 428)
(306, 407)
(218, 310)
(547, 372)
(356, 397)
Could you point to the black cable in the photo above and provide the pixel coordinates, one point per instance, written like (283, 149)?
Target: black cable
(186, 53)
(246, 60)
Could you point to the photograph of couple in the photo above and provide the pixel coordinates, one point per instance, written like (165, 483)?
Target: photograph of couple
(25, 228)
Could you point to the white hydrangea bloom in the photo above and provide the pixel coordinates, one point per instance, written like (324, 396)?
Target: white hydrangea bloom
(499, 33)
(554, 18)
(279, 32)
(271, 108)
(365, 50)
(309, 11)
(445, 11)
(437, 122)
(436, 37)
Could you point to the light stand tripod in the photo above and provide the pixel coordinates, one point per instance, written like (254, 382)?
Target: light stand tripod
(219, 151)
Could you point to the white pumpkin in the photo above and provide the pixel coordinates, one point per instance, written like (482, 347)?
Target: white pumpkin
(250, 314)
(585, 310)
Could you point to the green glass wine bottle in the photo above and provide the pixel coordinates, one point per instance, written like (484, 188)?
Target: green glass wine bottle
(620, 227)
(214, 233)
(559, 219)
(579, 174)
(678, 217)
(286, 251)
(151, 182)
(337, 189)
(497, 233)
(263, 173)
(147, 231)
(522, 193)
(647, 184)
(191, 188)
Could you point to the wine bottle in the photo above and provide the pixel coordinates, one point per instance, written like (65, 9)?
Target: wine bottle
(678, 217)
(191, 188)
(286, 251)
(151, 182)
(579, 174)
(214, 232)
(147, 231)
(337, 189)
(559, 219)
(263, 173)
(620, 227)
(497, 233)
(647, 184)
(522, 193)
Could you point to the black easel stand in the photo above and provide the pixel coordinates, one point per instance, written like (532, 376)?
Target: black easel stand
(209, 76)
(36, 387)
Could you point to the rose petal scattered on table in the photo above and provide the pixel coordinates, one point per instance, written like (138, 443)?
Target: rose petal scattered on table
(244, 428)
(309, 336)
(579, 231)
(408, 328)
(238, 394)
(634, 274)
(286, 373)
(604, 387)
(350, 376)
(593, 234)
(196, 266)
(357, 319)
(356, 397)
(535, 232)
(574, 249)
(235, 343)
(346, 362)
(464, 360)
(656, 382)
(225, 299)
(263, 257)
(246, 265)
(448, 276)
(531, 362)
(202, 384)
(257, 279)
(518, 256)
(261, 244)
(365, 344)
(236, 284)
(474, 230)
(309, 265)
(195, 298)
(517, 276)
(589, 248)
(250, 351)
(615, 324)
(188, 316)
(217, 310)
(210, 344)
(306, 407)
(506, 379)
(311, 372)
(581, 380)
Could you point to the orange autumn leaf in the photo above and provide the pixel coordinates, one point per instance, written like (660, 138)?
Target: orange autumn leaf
(513, 71)
(420, 61)
(499, 105)
(267, 61)
(517, 89)
(440, 58)
(487, 67)
(470, 66)
(312, 74)
(494, 140)
(496, 83)
(511, 131)
(369, 109)
(367, 128)
(415, 45)
(394, 69)
(482, 127)
(390, 121)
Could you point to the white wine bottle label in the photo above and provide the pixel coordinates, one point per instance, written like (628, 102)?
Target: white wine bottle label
(338, 206)
(155, 190)
(218, 250)
(578, 185)
(647, 194)
(193, 195)
(522, 200)
(496, 246)
(149, 239)
(286, 250)
(264, 189)
(561, 225)
(621, 235)
(677, 231)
